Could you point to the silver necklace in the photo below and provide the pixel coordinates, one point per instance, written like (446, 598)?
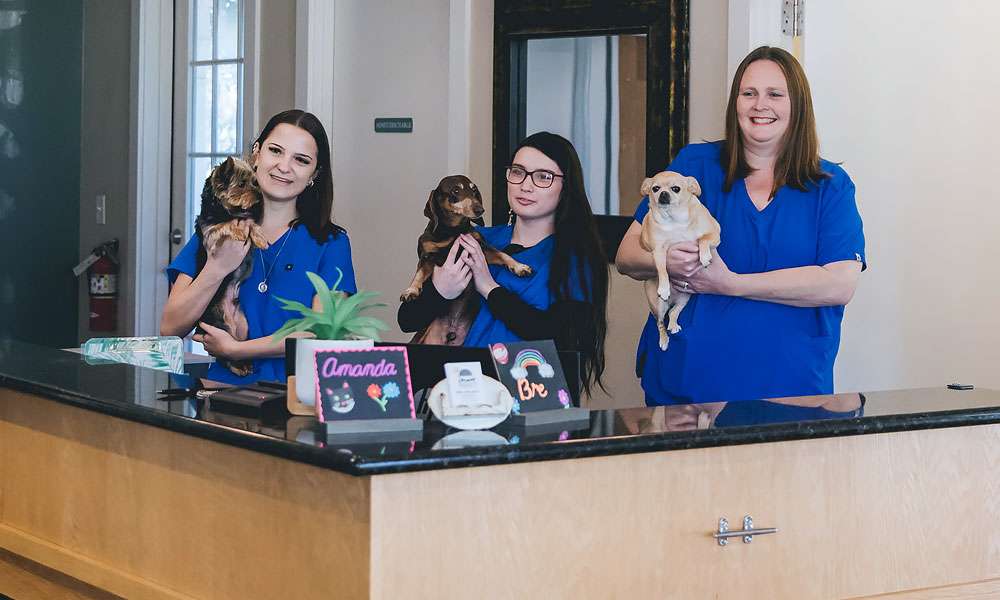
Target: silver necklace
(262, 286)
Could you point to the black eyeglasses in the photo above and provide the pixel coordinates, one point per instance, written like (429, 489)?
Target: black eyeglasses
(543, 178)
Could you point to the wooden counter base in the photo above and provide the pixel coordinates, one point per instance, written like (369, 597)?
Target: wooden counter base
(147, 513)
(144, 512)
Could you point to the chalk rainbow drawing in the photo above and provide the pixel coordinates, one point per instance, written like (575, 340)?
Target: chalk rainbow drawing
(529, 357)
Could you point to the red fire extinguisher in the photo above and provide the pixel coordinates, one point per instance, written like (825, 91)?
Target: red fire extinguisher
(103, 277)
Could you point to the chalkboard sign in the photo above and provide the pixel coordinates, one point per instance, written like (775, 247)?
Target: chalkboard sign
(363, 383)
(533, 374)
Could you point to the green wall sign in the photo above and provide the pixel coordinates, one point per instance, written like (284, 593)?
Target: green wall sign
(394, 125)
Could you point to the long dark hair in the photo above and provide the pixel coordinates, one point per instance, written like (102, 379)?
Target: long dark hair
(577, 244)
(797, 164)
(315, 203)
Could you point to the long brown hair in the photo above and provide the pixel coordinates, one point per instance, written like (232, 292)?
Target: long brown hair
(797, 164)
(315, 203)
(578, 257)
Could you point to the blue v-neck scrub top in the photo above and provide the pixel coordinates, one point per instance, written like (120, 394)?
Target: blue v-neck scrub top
(288, 259)
(487, 329)
(733, 348)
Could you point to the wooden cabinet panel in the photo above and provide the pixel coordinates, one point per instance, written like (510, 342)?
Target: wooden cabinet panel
(856, 515)
(144, 512)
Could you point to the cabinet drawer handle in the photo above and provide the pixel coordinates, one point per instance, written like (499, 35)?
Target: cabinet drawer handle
(747, 532)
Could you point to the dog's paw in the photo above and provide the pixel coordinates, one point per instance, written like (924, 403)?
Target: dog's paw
(664, 341)
(521, 270)
(675, 328)
(409, 294)
(705, 261)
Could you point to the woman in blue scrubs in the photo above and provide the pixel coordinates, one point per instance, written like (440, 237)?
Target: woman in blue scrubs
(291, 158)
(553, 231)
(764, 321)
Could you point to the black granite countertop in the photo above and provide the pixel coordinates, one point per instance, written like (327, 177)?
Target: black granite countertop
(131, 393)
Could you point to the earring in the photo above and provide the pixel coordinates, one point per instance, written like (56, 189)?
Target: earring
(510, 217)
(310, 183)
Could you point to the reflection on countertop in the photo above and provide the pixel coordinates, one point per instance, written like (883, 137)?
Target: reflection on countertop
(131, 393)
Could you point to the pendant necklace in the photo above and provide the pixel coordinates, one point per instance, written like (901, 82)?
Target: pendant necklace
(262, 286)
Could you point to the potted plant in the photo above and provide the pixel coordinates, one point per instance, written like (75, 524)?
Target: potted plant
(339, 324)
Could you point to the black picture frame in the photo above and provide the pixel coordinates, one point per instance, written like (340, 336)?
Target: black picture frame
(665, 24)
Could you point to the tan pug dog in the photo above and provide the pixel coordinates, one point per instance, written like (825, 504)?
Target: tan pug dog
(675, 215)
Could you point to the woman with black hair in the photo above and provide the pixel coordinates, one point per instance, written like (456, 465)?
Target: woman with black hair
(553, 231)
(291, 158)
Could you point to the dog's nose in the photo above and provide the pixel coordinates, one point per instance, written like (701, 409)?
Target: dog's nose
(664, 197)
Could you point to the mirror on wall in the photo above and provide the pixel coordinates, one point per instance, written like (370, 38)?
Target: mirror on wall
(611, 80)
(592, 91)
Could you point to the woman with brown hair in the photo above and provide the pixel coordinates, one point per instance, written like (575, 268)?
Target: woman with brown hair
(765, 318)
(291, 161)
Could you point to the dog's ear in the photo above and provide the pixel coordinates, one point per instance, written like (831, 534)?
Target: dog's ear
(693, 186)
(220, 176)
(431, 209)
(480, 222)
(647, 186)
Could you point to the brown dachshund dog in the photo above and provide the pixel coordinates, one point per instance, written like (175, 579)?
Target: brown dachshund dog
(453, 206)
(230, 207)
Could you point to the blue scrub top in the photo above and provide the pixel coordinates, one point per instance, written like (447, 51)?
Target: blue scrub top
(533, 289)
(738, 349)
(292, 255)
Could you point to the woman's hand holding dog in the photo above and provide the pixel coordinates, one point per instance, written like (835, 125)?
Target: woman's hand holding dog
(689, 276)
(451, 278)
(228, 255)
(218, 342)
(682, 259)
(476, 260)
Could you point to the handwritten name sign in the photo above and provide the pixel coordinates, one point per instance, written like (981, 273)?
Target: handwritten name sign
(332, 368)
(363, 383)
(533, 374)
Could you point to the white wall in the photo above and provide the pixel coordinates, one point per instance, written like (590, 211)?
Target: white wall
(391, 60)
(105, 98)
(709, 84)
(275, 61)
(906, 95)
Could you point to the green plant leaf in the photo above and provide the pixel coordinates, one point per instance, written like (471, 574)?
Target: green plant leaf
(340, 316)
(292, 305)
(367, 322)
(326, 302)
(340, 277)
(293, 326)
(351, 306)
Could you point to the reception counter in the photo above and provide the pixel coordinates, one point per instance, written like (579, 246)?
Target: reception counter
(875, 493)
